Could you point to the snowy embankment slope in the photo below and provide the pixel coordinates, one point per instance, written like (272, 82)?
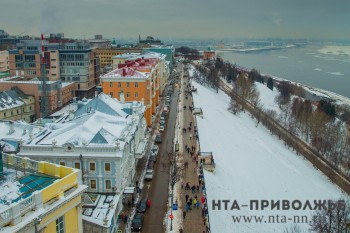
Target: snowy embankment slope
(252, 164)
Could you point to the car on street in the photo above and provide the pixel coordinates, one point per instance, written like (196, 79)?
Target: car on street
(137, 222)
(162, 122)
(158, 138)
(142, 206)
(161, 128)
(154, 150)
(153, 158)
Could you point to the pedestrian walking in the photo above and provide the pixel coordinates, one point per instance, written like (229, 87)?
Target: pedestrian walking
(182, 183)
(184, 214)
(129, 204)
(125, 218)
(123, 215)
(148, 203)
(186, 197)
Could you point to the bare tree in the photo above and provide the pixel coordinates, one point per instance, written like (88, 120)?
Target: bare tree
(293, 229)
(336, 220)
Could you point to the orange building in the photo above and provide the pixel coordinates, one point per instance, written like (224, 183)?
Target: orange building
(208, 54)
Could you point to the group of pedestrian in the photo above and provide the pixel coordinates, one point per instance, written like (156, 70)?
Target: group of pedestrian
(124, 217)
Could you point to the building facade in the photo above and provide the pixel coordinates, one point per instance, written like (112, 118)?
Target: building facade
(49, 199)
(15, 105)
(26, 60)
(140, 78)
(58, 93)
(106, 54)
(4, 61)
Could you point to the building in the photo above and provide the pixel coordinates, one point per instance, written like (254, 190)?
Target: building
(58, 93)
(39, 196)
(100, 43)
(208, 54)
(25, 60)
(148, 42)
(167, 50)
(106, 54)
(78, 63)
(12, 133)
(122, 58)
(142, 78)
(104, 138)
(15, 105)
(4, 62)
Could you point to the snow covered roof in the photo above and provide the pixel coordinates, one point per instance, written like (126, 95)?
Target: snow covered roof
(92, 128)
(11, 99)
(102, 210)
(17, 130)
(125, 72)
(126, 55)
(102, 103)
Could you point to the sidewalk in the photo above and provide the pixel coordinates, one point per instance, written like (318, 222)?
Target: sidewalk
(193, 221)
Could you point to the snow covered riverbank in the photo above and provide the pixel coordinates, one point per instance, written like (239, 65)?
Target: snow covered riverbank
(252, 164)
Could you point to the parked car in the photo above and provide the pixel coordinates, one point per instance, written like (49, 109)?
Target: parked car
(153, 158)
(162, 122)
(161, 127)
(137, 222)
(149, 175)
(154, 150)
(158, 138)
(142, 206)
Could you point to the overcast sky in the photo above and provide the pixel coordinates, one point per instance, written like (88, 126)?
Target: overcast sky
(170, 19)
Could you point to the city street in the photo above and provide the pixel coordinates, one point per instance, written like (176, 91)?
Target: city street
(157, 189)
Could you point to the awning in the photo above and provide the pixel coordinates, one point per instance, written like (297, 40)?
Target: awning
(129, 190)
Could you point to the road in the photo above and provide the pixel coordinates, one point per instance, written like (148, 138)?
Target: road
(157, 189)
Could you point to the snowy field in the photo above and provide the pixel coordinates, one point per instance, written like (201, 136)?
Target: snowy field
(252, 164)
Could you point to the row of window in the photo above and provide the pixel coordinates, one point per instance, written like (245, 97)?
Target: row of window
(136, 84)
(127, 94)
(18, 112)
(92, 166)
(108, 184)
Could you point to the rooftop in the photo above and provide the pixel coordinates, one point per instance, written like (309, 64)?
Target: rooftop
(32, 190)
(125, 72)
(99, 209)
(11, 99)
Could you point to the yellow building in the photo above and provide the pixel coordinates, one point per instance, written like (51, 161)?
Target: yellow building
(15, 105)
(106, 54)
(45, 198)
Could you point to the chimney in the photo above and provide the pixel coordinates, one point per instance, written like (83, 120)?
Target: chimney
(124, 72)
(12, 127)
(121, 97)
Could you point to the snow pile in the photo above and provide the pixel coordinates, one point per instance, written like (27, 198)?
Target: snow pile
(251, 164)
(9, 187)
(336, 50)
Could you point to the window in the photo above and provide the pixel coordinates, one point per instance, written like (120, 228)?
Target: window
(108, 184)
(110, 84)
(107, 167)
(4, 114)
(77, 165)
(60, 225)
(92, 184)
(62, 163)
(128, 94)
(119, 84)
(92, 167)
(136, 84)
(127, 84)
(136, 94)
(111, 93)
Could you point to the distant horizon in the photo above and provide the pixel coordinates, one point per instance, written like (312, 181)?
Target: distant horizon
(191, 39)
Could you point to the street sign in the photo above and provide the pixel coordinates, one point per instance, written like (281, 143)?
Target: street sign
(175, 206)
(171, 216)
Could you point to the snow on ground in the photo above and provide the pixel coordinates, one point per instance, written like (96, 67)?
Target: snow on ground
(9, 187)
(251, 164)
(267, 97)
(337, 50)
